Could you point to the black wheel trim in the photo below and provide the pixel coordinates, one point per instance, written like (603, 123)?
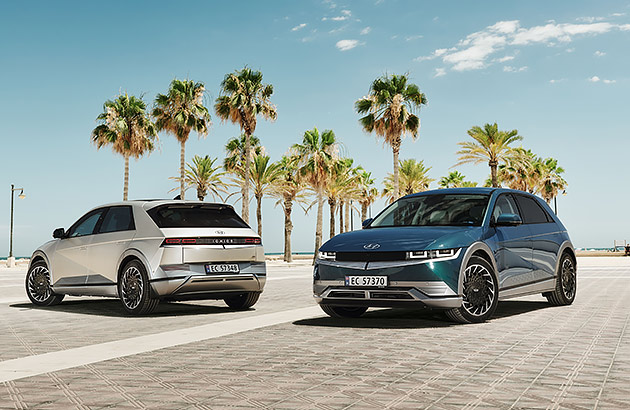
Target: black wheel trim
(39, 284)
(568, 279)
(479, 290)
(131, 287)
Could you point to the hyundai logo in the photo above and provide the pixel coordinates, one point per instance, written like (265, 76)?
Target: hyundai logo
(220, 232)
(371, 246)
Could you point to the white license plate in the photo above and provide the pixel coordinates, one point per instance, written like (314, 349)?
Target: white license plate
(222, 268)
(380, 281)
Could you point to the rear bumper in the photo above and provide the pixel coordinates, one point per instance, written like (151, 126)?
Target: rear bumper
(187, 282)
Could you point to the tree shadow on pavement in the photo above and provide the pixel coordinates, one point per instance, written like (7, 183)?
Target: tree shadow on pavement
(113, 308)
(418, 318)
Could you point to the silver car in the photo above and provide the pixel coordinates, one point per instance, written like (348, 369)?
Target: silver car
(146, 251)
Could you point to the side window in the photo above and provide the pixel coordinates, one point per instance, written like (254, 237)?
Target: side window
(532, 212)
(505, 205)
(118, 218)
(85, 225)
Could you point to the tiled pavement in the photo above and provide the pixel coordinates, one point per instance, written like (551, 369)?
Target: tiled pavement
(530, 355)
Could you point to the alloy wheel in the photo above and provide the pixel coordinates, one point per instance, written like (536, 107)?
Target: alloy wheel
(132, 287)
(568, 279)
(479, 290)
(39, 284)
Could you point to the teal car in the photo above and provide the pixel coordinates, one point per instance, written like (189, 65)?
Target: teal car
(460, 250)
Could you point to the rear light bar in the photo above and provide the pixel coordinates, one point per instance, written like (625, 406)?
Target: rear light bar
(212, 241)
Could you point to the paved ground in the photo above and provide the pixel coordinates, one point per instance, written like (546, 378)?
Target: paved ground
(530, 355)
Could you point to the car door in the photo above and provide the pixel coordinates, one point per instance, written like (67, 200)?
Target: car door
(69, 261)
(514, 246)
(545, 237)
(113, 237)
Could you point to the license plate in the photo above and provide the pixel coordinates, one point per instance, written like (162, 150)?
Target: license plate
(379, 281)
(222, 268)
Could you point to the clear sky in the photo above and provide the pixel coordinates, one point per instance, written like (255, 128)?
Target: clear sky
(558, 71)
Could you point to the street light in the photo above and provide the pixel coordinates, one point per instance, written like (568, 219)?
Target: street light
(11, 259)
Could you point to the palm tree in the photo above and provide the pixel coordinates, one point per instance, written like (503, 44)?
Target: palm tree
(317, 154)
(453, 180)
(388, 110)
(338, 187)
(490, 145)
(234, 162)
(203, 175)
(413, 178)
(125, 126)
(179, 112)
(367, 192)
(262, 175)
(288, 188)
(551, 182)
(244, 97)
(519, 170)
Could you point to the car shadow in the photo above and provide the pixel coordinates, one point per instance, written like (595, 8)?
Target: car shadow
(113, 308)
(418, 318)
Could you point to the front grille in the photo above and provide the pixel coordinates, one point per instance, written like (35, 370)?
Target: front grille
(371, 256)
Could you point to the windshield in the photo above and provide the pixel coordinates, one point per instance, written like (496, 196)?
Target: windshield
(434, 210)
(196, 216)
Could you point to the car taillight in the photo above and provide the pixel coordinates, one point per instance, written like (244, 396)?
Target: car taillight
(212, 241)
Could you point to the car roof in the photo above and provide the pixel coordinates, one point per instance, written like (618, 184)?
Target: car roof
(152, 203)
(472, 190)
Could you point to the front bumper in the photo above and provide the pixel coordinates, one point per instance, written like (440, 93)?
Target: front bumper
(189, 282)
(410, 284)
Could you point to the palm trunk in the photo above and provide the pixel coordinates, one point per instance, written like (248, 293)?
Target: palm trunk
(259, 213)
(347, 217)
(364, 211)
(126, 179)
(341, 225)
(493, 173)
(288, 227)
(318, 227)
(245, 191)
(200, 194)
(333, 208)
(396, 151)
(182, 170)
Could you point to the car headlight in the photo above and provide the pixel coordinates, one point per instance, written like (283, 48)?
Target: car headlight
(434, 254)
(327, 256)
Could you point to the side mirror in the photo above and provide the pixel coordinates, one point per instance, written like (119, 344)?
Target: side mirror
(59, 233)
(365, 223)
(508, 220)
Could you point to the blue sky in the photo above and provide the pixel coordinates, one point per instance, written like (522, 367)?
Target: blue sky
(556, 71)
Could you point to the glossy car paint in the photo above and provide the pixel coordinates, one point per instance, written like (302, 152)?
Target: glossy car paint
(90, 265)
(525, 258)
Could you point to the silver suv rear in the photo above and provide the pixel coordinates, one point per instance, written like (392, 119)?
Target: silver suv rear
(146, 251)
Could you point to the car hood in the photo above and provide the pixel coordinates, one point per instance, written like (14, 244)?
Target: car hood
(405, 238)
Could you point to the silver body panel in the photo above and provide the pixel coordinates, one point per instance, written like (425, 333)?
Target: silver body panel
(90, 265)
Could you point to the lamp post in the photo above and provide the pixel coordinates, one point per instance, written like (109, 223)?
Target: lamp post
(351, 217)
(11, 258)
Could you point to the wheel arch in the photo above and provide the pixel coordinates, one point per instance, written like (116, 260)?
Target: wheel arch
(476, 249)
(566, 247)
(129, 255)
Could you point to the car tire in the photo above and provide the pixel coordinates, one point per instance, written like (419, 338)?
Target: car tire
(566, 283)
(480, 293)
(134, 289)
(39, 287)
(243, 301)
(343, 311)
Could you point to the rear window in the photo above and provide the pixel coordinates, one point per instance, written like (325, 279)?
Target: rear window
(532, 213)
(195, 216)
